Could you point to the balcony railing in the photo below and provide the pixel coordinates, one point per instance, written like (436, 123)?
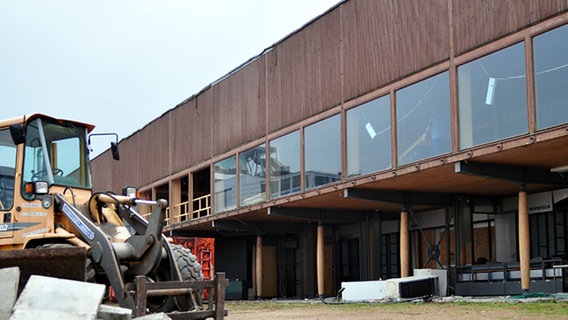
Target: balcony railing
(181, 212)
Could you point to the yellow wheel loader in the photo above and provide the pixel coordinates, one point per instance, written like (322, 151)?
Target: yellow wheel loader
(51, 220)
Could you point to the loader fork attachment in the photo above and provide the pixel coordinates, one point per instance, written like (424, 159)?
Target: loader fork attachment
(149, 245)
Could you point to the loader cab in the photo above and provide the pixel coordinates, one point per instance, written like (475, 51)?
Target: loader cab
(55, 153)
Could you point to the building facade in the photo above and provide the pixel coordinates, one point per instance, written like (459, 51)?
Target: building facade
(380, 138)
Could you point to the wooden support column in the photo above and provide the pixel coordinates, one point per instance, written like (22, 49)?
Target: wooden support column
(404, 244)
(258, 264)
(320, 261)
(524, 240)
(175, 201)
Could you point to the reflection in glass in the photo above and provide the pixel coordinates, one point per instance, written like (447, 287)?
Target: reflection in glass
(423, 119)
(369, 137)
(492, 97)
(285, 165)
(252, 181)
(551, 77)
(225, 184)
(322, 145)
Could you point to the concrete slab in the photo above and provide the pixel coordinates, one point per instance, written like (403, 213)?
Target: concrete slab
(46, 315)
(363, 290)
(107, 312)
(155, 316)
(9, 278)
(53, 298)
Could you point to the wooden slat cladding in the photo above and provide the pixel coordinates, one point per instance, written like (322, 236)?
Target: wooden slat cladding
(254, 101)
(304, 73)
(191, 133)
(386, 40)
(477, 22)
(126, 171)
(238, 108)
(153, 150)
(101, 175)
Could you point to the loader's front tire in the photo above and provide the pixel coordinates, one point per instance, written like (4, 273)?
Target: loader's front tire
(187, 263)
(190, 270)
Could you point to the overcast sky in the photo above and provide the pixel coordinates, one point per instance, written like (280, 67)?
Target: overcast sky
(121, 64)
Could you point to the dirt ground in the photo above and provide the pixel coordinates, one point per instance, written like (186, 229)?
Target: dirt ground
(272, 310)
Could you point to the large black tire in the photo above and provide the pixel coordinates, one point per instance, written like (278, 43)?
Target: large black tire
(190, 270)
(187, 263)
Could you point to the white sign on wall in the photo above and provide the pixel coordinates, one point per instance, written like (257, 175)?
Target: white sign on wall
(537, 202)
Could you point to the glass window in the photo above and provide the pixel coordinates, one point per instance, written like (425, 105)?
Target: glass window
(225, 184)
(252, 175)
(551, 77)
(492, 97)
(423, 119)
(67, 161)
(369, 137)
(285, 165)
(7, 170)
(56, 152)
(322, 150)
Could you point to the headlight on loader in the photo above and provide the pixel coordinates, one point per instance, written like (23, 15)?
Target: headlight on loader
(37, 187)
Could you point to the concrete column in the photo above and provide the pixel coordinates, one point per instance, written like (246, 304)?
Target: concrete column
(524, 240)
(320, 261)
(404, 245)
(258, 266)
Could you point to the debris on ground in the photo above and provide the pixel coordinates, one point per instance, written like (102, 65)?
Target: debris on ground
(528, 298)
(47, 298)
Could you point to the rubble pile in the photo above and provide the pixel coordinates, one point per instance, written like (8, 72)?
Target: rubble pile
(46, 298)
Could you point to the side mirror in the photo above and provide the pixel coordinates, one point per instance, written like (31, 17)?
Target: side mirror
(114, 150)
(113, 145)
(18, 134)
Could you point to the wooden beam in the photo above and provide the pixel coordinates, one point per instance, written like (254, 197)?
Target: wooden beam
(175, 201)
(258, 263)
(320, 261)
(404, 245)
(524, 241)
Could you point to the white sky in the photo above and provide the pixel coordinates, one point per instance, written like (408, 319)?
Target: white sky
(120, 64)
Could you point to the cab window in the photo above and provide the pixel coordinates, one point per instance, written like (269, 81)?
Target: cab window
(56, 152)
(7, 170)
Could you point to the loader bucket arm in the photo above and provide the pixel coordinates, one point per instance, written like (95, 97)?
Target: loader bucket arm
(142, 251)
(150, 244)
(141, 225)
(102, 251)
